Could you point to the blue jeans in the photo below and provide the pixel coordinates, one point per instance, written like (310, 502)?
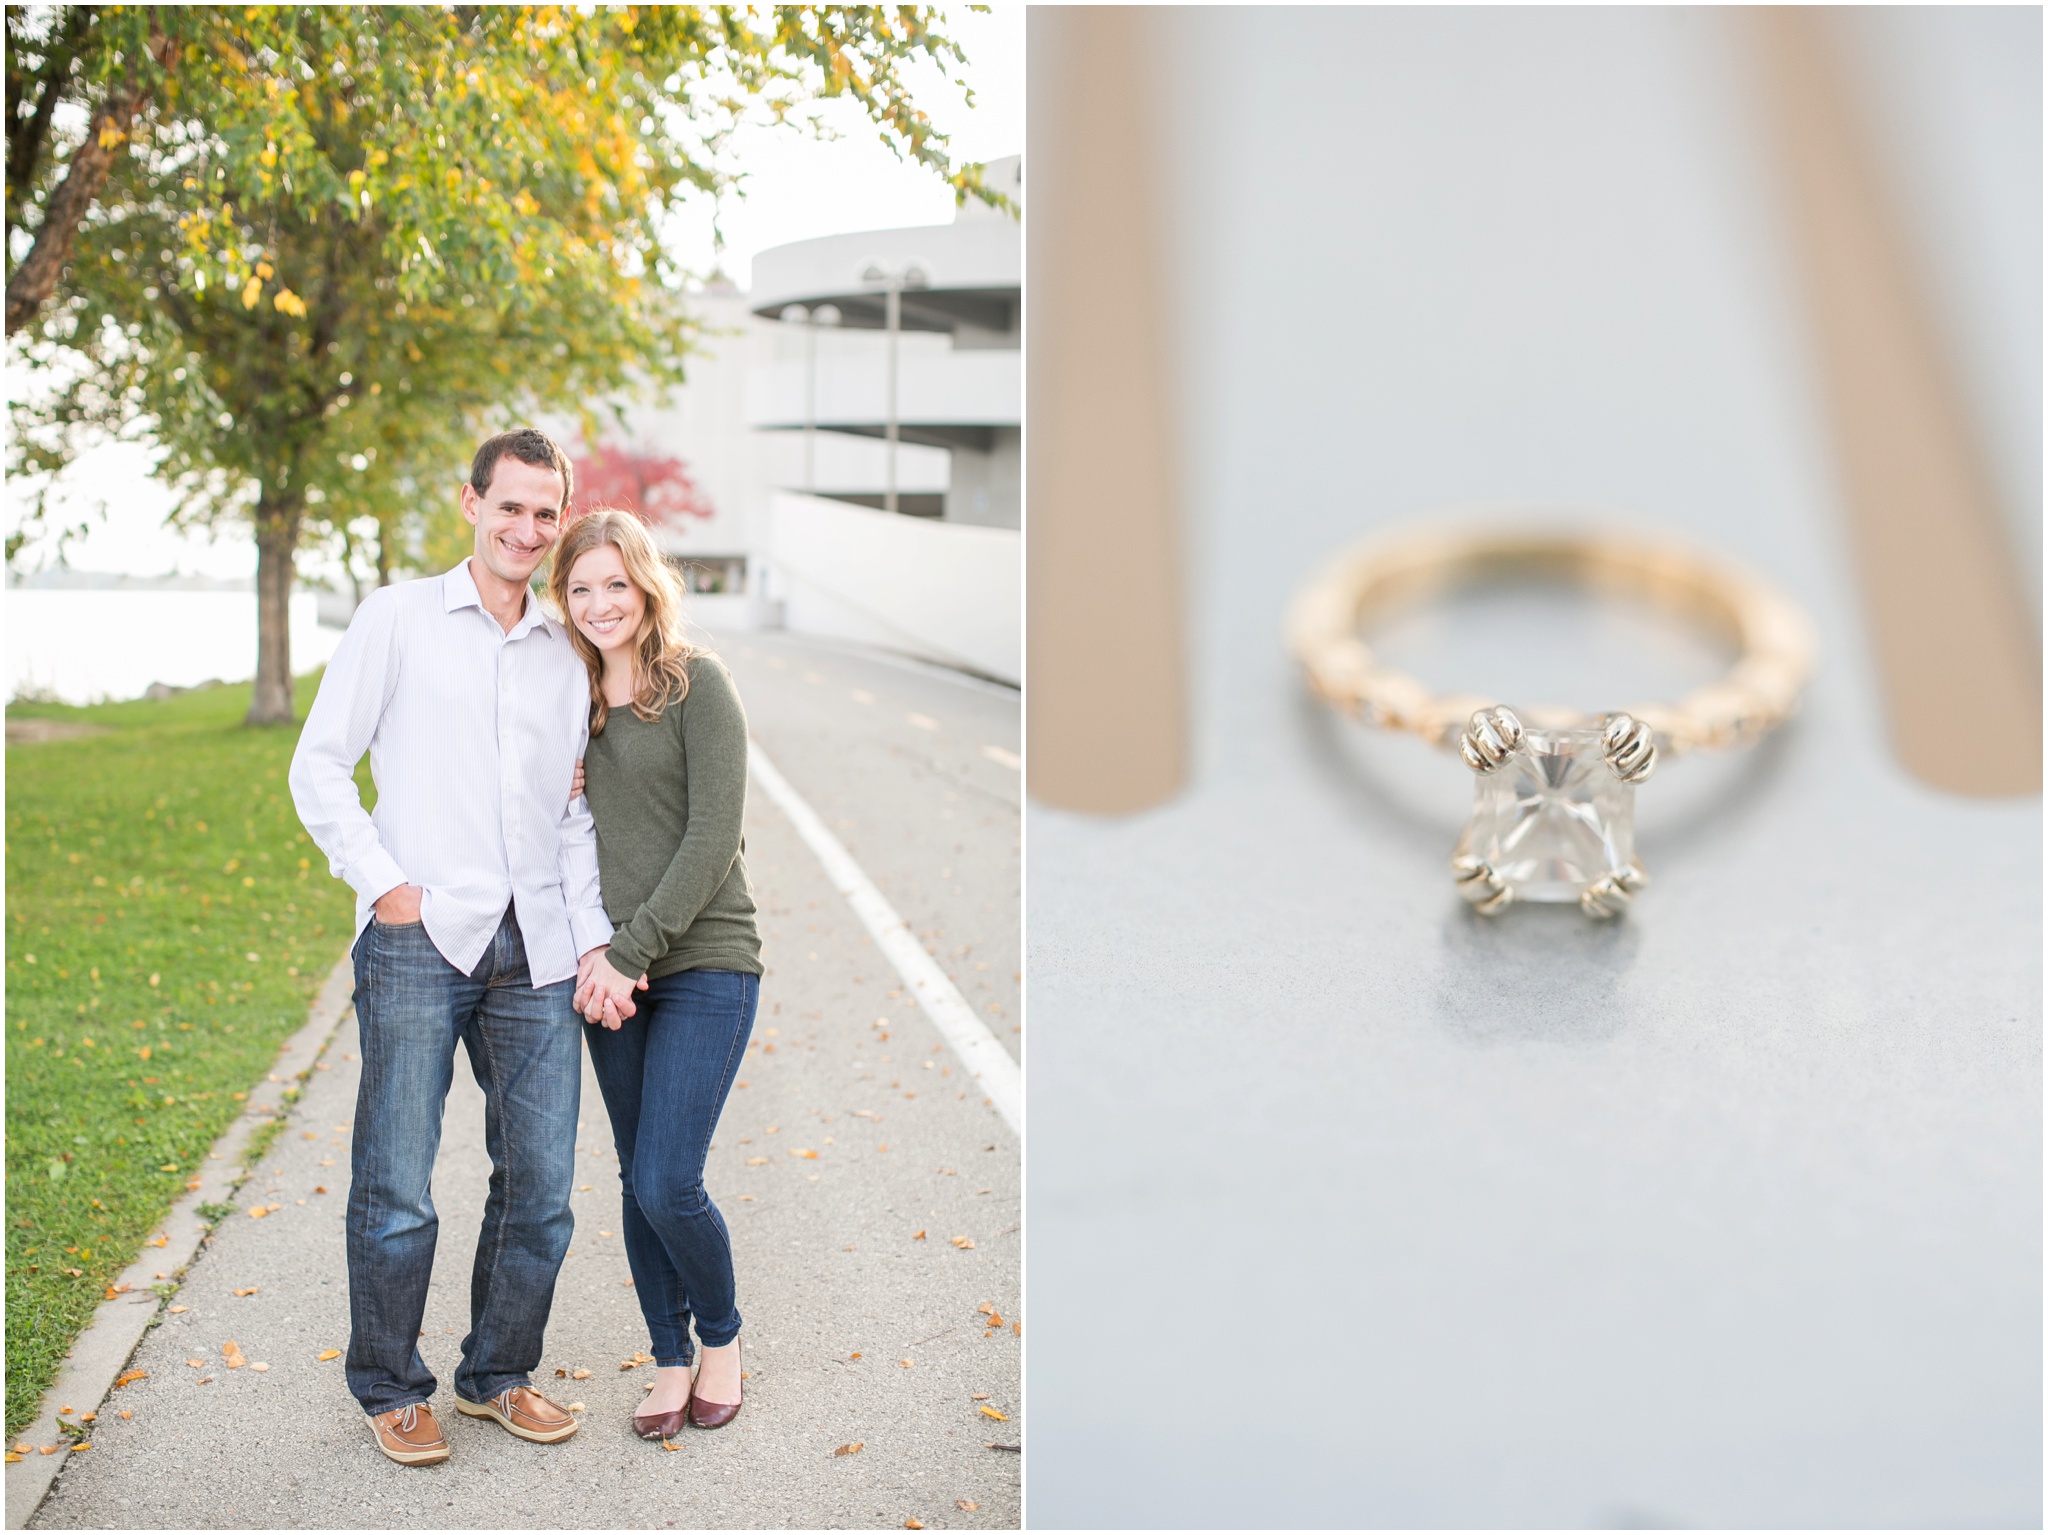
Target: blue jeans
(411, 1008)
(665, 1073)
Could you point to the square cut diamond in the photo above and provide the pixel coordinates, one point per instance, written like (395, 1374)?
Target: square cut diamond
(1553, 818)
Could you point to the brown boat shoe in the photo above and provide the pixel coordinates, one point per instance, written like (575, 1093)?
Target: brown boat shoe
(525, 1412)
(409, 1435)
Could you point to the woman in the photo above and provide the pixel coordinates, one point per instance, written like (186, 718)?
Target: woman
(666, 778)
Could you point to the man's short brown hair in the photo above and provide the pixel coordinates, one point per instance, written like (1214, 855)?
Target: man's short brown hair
(528, 444)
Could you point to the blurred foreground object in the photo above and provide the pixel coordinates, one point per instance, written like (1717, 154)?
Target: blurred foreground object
(1958, 652)
(1104, 634)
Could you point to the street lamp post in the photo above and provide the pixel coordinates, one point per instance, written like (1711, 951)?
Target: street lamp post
(892, 283)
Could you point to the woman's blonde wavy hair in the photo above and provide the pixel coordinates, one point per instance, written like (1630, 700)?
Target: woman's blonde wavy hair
(662, 676)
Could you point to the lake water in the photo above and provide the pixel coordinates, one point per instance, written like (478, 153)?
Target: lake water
(87, 645)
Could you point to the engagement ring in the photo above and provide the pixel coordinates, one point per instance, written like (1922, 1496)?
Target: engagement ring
(1553, 807)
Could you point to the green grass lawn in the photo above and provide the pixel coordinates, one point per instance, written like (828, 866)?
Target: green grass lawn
(168, 923)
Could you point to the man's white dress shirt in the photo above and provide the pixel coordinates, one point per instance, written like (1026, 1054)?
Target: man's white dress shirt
(473, 735)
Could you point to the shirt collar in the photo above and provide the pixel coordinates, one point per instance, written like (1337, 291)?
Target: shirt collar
(458, 590)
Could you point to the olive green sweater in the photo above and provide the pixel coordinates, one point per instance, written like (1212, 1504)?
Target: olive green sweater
(667, 798)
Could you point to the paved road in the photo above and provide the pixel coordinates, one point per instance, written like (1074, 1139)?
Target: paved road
(916, 771)
(858, 1331)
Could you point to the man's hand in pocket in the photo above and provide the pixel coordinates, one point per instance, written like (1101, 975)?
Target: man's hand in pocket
(399, 905)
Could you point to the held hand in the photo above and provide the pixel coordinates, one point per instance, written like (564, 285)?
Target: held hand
(576, 780)
(605, 988)
(399, 905)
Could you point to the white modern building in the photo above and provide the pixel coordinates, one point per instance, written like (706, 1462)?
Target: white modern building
(865, 478)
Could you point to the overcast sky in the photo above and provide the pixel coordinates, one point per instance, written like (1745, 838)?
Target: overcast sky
(796, 188)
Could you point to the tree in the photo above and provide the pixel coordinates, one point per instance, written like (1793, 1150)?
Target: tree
(652, 486)
(344, 240)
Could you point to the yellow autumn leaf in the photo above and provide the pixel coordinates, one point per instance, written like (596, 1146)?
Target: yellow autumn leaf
(251, 292)
(329, 1353)
(990, 1412)
(851, 1449)
(963, 1243)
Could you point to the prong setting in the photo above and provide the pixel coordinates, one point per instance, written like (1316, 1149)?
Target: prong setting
(1490, 738)
(1630, 747)
(1611, 895)
(1485, 890)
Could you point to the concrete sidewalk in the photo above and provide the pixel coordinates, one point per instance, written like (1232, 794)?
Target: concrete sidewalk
(859, 1330)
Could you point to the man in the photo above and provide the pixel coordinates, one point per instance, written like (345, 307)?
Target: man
(476, 898)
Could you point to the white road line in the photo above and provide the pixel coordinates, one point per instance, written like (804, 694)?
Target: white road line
(984, 1059)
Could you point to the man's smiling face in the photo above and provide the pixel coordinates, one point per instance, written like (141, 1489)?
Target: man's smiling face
(517, 519)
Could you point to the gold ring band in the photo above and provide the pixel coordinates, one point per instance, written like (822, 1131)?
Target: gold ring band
(1553, 815)
(1773, 635)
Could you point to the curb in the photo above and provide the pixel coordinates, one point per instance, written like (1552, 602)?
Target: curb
(100, 1352)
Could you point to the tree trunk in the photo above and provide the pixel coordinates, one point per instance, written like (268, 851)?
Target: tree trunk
(277, 541)
(36, 278)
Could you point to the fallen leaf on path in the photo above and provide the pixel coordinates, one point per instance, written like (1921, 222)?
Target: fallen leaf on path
(604, 1233)
(963, 1242)
(918, 1237)
(629, 1364)
(231, 1352)
(906, 1364)
(176, 1309)
(319, 1190)
(990, 1412)
(666, 1445)
(79, 1449)
(197, 1364)
(757, 1161)
(250, 1291)
(12, 1457)
(800, 1151)
(981, 1396)
(851, 1449)
(913, 1524)
(579, 1375)
(853, 1356)
(129, 1377)
(329, 1353)
(257, 1212)
(162, 1241)
(259, 1367)
(126, 1413)
(966, 1503)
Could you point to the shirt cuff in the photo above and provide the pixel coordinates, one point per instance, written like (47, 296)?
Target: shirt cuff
(377, 873)
(592, 929)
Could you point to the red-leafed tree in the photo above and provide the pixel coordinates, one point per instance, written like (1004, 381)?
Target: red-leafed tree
(653, 488)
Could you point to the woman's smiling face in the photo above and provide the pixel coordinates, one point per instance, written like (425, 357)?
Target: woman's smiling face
(604, 604)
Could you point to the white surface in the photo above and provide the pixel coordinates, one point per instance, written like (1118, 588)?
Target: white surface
(87, 645)
(939, 590)
(980, 1055)
(1728, 1215)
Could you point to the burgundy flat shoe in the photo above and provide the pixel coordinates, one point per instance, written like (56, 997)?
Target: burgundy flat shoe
(705, 1414)
(660, 1425)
